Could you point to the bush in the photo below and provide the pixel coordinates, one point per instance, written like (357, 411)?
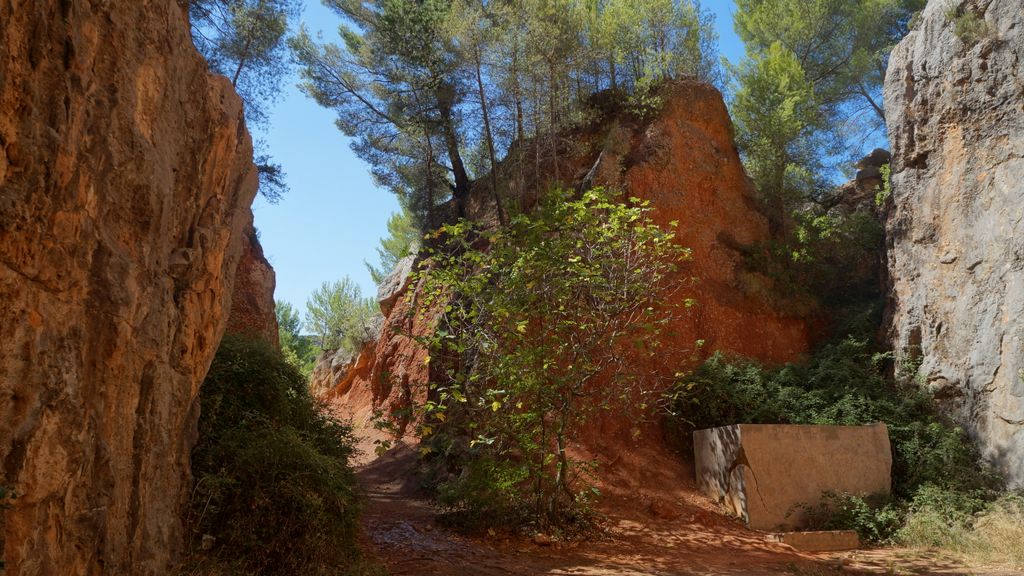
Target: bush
(537, 323)
(875, 518)
(843, 383)
(968, 25)
(980, 532)
(272, 480)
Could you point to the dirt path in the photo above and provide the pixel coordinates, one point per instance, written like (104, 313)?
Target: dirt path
(400, 526)
(400, 529)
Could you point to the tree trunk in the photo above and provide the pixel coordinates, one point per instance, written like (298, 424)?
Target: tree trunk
(552, 89)
(490, 142)
(460, 192)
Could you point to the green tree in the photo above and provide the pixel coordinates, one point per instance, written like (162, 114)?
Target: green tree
(298, 349)
(843, 47)
(339, 316)
(436, 92)
(244, 40)
(808, 93)
(779, 129)
(403, 239)
(551, 320)
(394, 85)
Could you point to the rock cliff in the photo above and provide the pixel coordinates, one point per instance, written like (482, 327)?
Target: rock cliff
(954, 100)
(252, 301)
(126, 178)
(685, 163)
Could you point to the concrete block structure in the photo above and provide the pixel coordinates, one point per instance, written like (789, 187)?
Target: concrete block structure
(763, 473)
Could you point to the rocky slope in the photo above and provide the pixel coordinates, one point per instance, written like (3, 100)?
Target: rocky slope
(125, 183)
(685, 162)
(955, 109)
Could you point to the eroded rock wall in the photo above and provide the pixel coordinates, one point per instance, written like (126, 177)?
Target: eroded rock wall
(126, 178)
(252, 300)
(685, 163)
(955, 110)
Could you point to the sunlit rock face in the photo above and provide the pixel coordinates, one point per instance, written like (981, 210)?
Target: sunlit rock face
(955, 110)
(126, 178)
(252, 300)
(684, 161)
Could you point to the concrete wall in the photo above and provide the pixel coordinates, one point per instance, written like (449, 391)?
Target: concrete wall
(762, 472)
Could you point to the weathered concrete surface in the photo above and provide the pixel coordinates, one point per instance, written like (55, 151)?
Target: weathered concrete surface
(762, 472)
(252, 301)
(955, 112)
(126, 178)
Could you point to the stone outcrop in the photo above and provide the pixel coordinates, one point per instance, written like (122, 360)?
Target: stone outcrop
(685, 163)
(955, 110)
(126, 178)
(391, 368)
(252, 301)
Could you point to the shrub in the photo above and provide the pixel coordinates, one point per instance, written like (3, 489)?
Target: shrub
(272, 480)
(843, 383)
(875, 518)
(980, 532)
(537, 324)
(968, 26)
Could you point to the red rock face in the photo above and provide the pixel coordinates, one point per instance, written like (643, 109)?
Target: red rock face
(388, 374)
(252, 302)
(686, 164)
(126, 178)
(690, 171)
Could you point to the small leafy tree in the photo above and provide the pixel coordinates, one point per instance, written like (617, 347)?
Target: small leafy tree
(403, 239)
(339, 316)
(541, 324)
(297, 348)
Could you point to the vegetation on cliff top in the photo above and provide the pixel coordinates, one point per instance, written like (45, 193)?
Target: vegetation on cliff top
(435, 93)
(807, 97)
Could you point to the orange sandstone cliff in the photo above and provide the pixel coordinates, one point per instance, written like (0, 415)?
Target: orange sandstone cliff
(126, 178)
(685, 163)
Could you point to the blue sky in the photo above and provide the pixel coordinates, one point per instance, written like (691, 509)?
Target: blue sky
(333, 216)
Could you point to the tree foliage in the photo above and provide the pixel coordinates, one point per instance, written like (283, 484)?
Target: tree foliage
(298, 349)
(403, 240)
(549, 322)
(808, 95)
(339, 316)
(244, 40)
(435, 92)
(273, 485)
(843, 384)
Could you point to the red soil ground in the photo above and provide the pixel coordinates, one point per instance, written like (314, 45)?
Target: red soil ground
(655, 527)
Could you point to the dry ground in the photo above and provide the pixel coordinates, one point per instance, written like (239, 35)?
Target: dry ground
(686, 537)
